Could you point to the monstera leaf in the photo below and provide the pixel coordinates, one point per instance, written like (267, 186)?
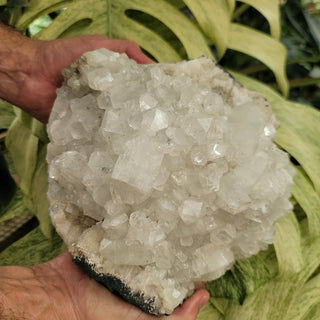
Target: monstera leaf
(210, 23)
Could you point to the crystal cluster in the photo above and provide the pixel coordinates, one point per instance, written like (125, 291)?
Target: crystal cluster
(163, 174)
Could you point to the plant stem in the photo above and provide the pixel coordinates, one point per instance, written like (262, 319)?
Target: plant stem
(244, 7)
(3, 135)
(261, 67)
(301, 82)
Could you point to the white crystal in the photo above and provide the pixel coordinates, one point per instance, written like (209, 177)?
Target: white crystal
(190, 210)
(155, 120)
(205, 123)
(162, 174)
(186, 241)
(99, 79)
(147, 101)
(208, 259)
(198, 156)
(140, 165)
(216, 150)
(118, 253)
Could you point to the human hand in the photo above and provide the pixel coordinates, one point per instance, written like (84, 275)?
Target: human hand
(59, 290)
(30, 70)
(49, 58)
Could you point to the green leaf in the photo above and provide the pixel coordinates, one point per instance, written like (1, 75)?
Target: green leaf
(32, 249)
(39, 192)
(257, 270)
(7, 114)
(224, 306)
(287, 244)
(109, 18)
(213, 17)
(37, 9)
(299, 130)
(245, 276)
(39, 24)
(305, 299)
(161, 50)
(208, 312)
(27, 140)
(270, 10)
(231, 4)
(311, 257)
(177, 3)
(16, 3)
(193, 40)
(275, 298)
(314, 313)
(308, 199)
(314, 27)
(299, 135)
(217, 28)
(9, 161)
(262, 47)
(23, 147)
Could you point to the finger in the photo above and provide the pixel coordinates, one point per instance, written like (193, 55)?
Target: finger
(134, 52)
(200, 285)
(129, 47)
(190, 308)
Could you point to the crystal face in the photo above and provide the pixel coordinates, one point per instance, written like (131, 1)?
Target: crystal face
(163, 174)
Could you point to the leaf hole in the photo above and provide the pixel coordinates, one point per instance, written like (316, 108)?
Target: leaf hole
(42, 22)
(241, 62)
(251, 17)
(76, 29)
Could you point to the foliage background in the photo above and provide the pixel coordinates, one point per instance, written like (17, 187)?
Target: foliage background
(245, 37)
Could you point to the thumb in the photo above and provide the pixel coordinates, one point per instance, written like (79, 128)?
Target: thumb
(190, 308)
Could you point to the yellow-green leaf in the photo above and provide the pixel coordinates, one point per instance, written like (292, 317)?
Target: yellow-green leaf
(193, 40)
(23, 147)
(231, 4)
(38, 8)
(157, 46)
(208, 312)
(299, 135)
(305, 299)
(262, 47)
(287, 244)
(27, 141)
(39, 192)
(7, 114)
(214, 19)
(308, 199)
(299, 130)
(270, 10)
(109, 18)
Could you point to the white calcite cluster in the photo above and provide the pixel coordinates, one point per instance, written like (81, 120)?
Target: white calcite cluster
(163, 174)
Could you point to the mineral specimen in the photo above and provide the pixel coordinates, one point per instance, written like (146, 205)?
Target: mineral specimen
(161, 175)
